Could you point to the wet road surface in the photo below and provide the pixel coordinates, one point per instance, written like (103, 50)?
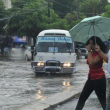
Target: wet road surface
(92, 103)
(19, 85)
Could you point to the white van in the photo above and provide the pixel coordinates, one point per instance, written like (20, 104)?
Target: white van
(54, 52)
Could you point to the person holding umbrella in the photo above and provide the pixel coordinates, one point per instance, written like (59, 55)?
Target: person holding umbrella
(108, 75)
(96, 77)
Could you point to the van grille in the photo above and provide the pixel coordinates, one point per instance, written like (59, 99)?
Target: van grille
(54, 63)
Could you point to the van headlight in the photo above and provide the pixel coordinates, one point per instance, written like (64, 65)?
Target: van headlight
(67, 65)
(40, 64)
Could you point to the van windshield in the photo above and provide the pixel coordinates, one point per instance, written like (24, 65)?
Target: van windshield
(54, 44)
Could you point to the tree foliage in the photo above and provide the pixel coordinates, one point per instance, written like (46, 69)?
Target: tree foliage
(32, 17)
(92, 7)
(72, 18)
(107, 13)
(62, 7)
(2, 15)
(29, 17)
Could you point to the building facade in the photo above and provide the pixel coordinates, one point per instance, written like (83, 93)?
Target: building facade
(7, 3)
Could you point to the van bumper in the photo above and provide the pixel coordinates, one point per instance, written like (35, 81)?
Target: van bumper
(57, 70)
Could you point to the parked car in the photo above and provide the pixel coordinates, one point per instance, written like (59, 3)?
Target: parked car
(27, 54)
(81, 50)
(84, 52)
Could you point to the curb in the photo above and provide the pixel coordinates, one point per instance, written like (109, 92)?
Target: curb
(52, 101)
(64, 101)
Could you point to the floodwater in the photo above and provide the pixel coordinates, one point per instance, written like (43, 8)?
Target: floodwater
(19, 85)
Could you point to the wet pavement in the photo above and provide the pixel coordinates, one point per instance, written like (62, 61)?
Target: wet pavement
(19, 85)
(91, 104)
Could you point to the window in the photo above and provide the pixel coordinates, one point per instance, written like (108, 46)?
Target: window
(54, 44)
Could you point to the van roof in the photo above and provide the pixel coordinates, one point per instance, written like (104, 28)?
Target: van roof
(55, 32)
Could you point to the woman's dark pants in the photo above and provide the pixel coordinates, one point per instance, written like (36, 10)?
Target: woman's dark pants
(99, 86)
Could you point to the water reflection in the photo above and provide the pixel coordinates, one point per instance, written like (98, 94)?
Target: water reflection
(39, 95)
(40, 84)
(67, 85)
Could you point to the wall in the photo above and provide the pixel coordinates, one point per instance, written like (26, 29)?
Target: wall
(7, 3)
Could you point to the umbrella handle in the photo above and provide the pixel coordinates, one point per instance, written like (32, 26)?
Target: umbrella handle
(94, 33)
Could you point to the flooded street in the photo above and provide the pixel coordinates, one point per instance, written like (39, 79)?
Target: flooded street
(19, 85)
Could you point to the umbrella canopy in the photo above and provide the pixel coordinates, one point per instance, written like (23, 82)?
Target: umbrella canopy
(93, 26)
(17, 40)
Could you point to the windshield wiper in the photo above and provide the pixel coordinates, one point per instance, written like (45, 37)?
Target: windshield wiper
(67, 45)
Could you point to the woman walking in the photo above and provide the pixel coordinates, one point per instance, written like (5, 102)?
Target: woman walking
(96, 77)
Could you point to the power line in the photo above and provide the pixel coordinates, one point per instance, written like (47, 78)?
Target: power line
(18, 14)
(32, 10)
(21, 4)
(6, 18)
(61, 4)
(24, 3)
(74, 12)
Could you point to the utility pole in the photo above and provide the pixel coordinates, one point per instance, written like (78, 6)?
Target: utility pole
(48, 8)
(78, 9)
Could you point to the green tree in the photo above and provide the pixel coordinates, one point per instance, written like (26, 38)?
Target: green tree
(75, 7)
(107, 12)
(33, 18)
(62, 7)
(2, 17)
(92, 7)
(72, 18)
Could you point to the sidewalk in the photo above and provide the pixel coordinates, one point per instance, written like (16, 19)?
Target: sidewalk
(62, 101)
(91, 104)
